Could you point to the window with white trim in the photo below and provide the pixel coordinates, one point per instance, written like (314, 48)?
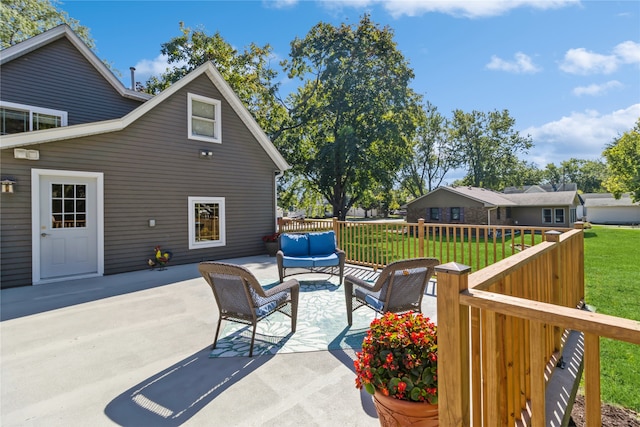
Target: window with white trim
(204, 119)
(553, 216)
(206, 222)
(17, 118)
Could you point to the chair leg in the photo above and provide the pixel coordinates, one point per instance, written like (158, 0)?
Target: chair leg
(294, 308)
(348, 295)
(253, 338)
(215, 340)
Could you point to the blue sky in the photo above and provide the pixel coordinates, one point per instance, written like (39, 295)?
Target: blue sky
(568, 71)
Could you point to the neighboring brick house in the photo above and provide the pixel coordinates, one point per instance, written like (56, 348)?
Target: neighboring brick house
(102, 174)
(478, 206)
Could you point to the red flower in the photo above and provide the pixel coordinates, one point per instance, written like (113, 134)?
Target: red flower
(271, 237)
(399, 358)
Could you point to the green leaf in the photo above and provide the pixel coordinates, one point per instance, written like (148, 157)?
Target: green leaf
(370, 388)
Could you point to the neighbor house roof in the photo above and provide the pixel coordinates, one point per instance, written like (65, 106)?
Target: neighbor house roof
(42, 39)
(489, 198)
(607, 199)
(492, 198)
(558, 198)
(106, 126)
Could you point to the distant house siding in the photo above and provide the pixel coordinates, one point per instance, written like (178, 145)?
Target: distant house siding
(58, 77)
(614, 214)
(532, 216)
(150, 169)
(472, 211)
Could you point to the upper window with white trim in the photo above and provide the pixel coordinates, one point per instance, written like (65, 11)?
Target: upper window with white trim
(16, 118)
(204, 119)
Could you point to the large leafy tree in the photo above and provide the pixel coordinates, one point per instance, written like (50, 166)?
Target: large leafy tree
(623, 161)
(433, 157)
(249, 73)
(353, 118)
(589, 175)
(489, 147)
(23, 19)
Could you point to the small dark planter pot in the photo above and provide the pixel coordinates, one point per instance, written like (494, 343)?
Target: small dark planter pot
(272, 248)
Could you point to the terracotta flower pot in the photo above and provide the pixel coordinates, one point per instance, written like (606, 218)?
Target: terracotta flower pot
(395, 412)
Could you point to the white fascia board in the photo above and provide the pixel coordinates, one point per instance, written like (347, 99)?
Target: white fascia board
(58, 134)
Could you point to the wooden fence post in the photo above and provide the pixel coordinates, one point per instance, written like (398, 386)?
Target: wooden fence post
(453, 345)
(593, 413)
(420, 237)
(557, 293)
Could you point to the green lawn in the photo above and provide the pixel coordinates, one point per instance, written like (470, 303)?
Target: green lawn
(612, 275)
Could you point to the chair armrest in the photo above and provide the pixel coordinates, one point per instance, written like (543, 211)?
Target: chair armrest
(352, 280)
(289, 284)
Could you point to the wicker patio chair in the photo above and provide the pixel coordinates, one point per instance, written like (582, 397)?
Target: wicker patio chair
(398, 289)
(241, 299)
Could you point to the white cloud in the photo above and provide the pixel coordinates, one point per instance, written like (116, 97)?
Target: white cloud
(595, 89)
(279, 4)
(582, 61)
(468, 9)
(580, 135)
(146, 68)
(628, 52)
(521, 64)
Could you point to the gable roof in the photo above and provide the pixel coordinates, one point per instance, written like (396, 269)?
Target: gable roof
(489, 198)
(607, 200)
(106, 126)
(556, 198)
(492, 199)
(56, 33)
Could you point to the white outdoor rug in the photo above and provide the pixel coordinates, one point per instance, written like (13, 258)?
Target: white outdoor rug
(322, 325)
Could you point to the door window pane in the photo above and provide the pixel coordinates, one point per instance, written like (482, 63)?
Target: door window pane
(68, 205)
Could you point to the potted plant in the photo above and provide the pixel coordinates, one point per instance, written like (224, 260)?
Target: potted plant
(271, 242)
(398, 365)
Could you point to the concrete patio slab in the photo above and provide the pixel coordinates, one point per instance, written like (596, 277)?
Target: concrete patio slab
(132, 350)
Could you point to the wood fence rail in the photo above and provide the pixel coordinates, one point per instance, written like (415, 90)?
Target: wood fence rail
(501, 331)
(378, 243)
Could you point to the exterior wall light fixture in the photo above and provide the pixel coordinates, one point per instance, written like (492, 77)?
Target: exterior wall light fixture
(206, 154)
(7, 185)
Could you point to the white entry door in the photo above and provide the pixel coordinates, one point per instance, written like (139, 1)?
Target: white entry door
(68, 226)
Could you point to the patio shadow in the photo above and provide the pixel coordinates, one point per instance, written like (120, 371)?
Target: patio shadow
(174, 395)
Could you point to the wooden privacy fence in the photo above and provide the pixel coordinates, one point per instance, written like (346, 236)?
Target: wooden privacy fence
(501, 332)
(376, 244)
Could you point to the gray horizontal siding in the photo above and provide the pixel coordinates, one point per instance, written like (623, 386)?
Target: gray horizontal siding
(57, 76)
(150, 169)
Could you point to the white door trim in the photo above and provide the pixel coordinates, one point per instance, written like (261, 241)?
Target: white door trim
(35, 219)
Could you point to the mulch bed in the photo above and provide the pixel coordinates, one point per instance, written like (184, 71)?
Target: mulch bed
(612, 416)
